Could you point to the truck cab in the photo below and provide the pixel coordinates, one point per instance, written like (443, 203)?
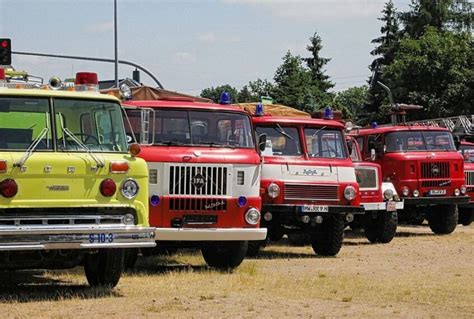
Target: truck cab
(422, 163)
(71, 193)
(466, 211)
(204, 170)
(308, 184)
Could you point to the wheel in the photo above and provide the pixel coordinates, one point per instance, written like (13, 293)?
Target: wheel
(254, 247)
(130, 258)
(465, 216)
(326, 239)
(443, 219)
(224, 255)
(299, 239)
(381, 229)
(104, 268)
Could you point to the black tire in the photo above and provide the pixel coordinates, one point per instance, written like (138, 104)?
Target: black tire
(299, 239)
(130, 258)
(254, 247)
(465, 216)
(104, 268)
(327, 238)
(224, 255)
(443, 219)
(381, 229)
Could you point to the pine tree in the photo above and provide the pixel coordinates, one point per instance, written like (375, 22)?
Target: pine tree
(316, 64)
(387, 42)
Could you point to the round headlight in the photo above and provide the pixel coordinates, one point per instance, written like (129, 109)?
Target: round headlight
(457, 192)
(252, 216)
(416, 193)
(349, 192)
(388, 194)
(405, 191)
(273, 190)
(129, 219)
(463, 190)
(129, 188)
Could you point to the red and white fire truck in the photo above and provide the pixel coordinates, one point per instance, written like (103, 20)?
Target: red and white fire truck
(308, 181)
(204, 170)
(379, 199)
(423, 164)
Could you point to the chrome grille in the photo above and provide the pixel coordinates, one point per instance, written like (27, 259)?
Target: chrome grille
(198, 204)
(435, 170)
(199, 219)
(311, 192)
(198, 180)
(469, 177)
(60, 220)
(436, 183)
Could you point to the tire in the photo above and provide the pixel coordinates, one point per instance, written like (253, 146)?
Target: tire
(443, 219)
(254, 247)
(299, 239)
(327, 238)
(104, 268)
(381, 229)
(130, 258)
(465, 216)
(224, 255)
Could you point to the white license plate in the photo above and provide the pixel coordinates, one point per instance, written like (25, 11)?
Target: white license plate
(315, 209)
(391, 206)
(437, 192)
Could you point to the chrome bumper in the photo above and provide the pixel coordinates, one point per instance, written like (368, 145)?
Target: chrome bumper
(75, 237)
(381, 206)
(210, 234)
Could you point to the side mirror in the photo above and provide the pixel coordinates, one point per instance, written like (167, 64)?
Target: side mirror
(373, 155)
(457, 142)
(262, 141)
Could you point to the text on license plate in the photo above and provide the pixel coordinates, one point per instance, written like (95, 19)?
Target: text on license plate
(315, 209)
(101, 238)
(437, 192)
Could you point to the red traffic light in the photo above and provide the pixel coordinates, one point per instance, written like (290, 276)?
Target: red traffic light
(5, 44)
(5, 52)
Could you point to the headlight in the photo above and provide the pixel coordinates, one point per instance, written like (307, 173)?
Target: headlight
(405, 191)
(457, 192)
(130, 188)
(416, 193)
(463, 190)
(388, 194)
(349, 192)
(129, 219)
(252, 216)
(273, 190)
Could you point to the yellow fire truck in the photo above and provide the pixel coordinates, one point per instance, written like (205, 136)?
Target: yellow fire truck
(71, 191)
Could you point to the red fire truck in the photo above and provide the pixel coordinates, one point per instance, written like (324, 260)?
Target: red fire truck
(308, 182)
(423, 164)
(204, 170)
(379, 199)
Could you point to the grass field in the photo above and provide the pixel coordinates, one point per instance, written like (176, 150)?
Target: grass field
(417, 275)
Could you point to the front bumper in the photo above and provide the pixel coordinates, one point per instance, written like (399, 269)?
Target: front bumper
(298, 209)
(210, 234)
(425, 201)
(381, 206)
(14, 238)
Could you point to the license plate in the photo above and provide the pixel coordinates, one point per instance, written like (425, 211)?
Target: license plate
(101, 238)
(437, 192)
(315, 209)
(391, 206)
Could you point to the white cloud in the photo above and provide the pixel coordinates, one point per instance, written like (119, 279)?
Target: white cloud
(208, 37)
(316, 9)
(102, 27)
(211, 38)
(184, 58)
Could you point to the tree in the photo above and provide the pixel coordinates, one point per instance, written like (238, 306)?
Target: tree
(316, 64)
(214, 93)
(352, 102)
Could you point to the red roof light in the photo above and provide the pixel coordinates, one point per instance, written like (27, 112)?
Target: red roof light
(86, 78)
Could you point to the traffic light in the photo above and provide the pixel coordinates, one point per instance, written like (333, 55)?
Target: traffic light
(5, 52)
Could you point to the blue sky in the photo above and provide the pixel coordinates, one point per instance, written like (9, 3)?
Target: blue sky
(190, 45)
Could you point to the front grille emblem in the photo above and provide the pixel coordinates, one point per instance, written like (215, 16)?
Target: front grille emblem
(198, 181)
(435, 170)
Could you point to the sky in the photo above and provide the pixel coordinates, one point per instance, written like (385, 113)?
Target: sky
(190, 45)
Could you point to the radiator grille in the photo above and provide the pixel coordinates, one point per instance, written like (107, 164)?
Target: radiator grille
(311, 192)
(198, 180)
(469, 177)
(436, 183)
(435, 170)
(198, 204)
(199, 219)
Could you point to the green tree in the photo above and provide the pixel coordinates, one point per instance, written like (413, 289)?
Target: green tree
(352, 102)
(316, 64)
(214, 93)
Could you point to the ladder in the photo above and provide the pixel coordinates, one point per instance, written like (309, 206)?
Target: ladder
(462, 125)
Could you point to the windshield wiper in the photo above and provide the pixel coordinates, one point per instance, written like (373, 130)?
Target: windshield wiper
(216, 144)
(31, 148)
(315, 133)
(282, 132)
(100, 162)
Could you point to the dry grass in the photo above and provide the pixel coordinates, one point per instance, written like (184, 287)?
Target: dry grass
(417, 275)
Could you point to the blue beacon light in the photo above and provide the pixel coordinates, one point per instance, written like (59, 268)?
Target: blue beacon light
(259, 109)
(374, 124)
(328, 115)
(225, 98)
(242, 201)
(154, 200)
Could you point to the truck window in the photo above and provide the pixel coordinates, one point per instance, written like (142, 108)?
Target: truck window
(419, 141)
(325, 143)
(281, 141)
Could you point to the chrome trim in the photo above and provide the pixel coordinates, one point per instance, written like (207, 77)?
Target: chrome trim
(381, 206)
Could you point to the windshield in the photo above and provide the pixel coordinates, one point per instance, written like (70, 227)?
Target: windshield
(22, 121)
(197, 128)
(322, 142)
(281, 141)
(419, 141)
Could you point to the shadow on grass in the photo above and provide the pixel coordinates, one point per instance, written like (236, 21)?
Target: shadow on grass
(32, 286)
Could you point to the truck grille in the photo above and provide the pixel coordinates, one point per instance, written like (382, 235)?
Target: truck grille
(199, 219)
(435, 170)
(198, 180)
(469, 177)
(311, 192)
(198, 204)
(436, 183)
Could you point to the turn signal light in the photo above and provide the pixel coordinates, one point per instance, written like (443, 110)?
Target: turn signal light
(3, 166)
(8, 188)
(134, 149)
(119, 167)
(108, 187)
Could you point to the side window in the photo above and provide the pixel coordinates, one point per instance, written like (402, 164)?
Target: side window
(104, 126)
(86, 124)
